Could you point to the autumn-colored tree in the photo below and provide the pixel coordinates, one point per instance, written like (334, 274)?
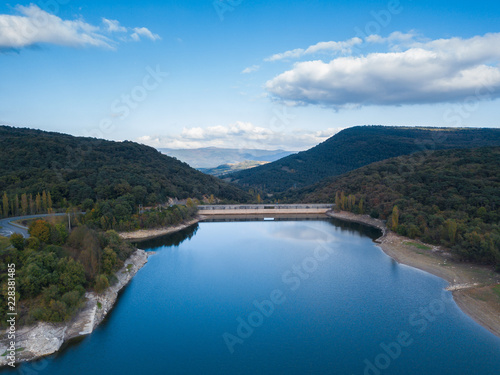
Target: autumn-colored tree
(337, 201)
(24, 204)
(38, 201)
(44, 201)
(41, 230)
(452, 229)
(395, 218)
(343, 201)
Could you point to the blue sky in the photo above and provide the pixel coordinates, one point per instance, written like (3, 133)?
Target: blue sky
(243, 73)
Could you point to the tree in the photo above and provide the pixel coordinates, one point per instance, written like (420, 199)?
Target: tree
(24, 204)
(41, 230)
(49, 203)
(71, 274)
(452, 229)
(190, 203)
(16, 205)
(44, 201)
(101, 283)
(5, 202)
(17, 240)
(395, 218)
(108, 260)
(38, 202)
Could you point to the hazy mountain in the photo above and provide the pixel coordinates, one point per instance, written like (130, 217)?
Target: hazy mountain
(232, 167)
(212, 157)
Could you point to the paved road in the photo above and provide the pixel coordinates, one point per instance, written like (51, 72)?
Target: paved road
(8, 228)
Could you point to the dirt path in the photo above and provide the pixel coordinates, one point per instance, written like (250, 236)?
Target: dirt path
(472, 285)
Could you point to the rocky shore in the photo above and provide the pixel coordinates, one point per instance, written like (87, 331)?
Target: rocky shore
(43, 339)
(144, 234)
(471, 285)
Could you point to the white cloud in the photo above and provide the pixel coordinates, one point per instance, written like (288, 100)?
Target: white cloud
(240, 135)
(32, 26)
(143, 32)
(395, 38)
(336, 47)
(113, 26)
(443, 70)
(250, 69)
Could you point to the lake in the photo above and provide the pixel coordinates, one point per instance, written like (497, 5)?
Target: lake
(279, 297)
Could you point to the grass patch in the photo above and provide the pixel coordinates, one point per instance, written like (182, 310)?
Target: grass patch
(417, 245)
(129, 267)
(99, 305)
(496, 290)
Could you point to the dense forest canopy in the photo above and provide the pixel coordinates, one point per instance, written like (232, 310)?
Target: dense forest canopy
(355, 147)
(54, 268)
(74, 169)
(448, 197)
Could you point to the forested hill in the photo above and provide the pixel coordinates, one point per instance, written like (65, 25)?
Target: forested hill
(355, 147)
(75, 168)
(449, 197)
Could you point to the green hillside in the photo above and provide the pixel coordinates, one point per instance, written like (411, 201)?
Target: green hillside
(450, 198)
(75, 169)
(355, 147)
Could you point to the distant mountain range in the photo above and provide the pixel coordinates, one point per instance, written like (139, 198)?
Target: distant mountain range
(355, 147)
(213, 157)
(232, 167)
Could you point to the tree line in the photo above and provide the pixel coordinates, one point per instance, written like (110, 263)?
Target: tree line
(26, 204)
(449, 198)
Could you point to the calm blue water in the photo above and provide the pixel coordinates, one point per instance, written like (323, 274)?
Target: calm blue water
(314, 298)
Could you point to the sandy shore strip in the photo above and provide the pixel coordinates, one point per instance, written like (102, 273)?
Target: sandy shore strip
(145, 234)
(472, 285)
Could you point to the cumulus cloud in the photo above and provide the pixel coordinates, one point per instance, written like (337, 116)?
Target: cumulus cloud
(444, 70)
(240, 135)
(336, 47)
(33, 26)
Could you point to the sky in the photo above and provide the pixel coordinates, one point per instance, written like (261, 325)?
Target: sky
(247, 73)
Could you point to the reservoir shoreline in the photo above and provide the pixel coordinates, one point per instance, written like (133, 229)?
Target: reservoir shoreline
(471, 285)
(468, 282)
(43, 339)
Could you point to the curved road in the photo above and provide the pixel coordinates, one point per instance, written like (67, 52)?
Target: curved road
(7, 227)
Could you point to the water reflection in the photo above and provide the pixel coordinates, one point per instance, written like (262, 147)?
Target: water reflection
(356, 228)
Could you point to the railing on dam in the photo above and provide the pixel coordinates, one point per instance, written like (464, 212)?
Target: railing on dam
(263, 209)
